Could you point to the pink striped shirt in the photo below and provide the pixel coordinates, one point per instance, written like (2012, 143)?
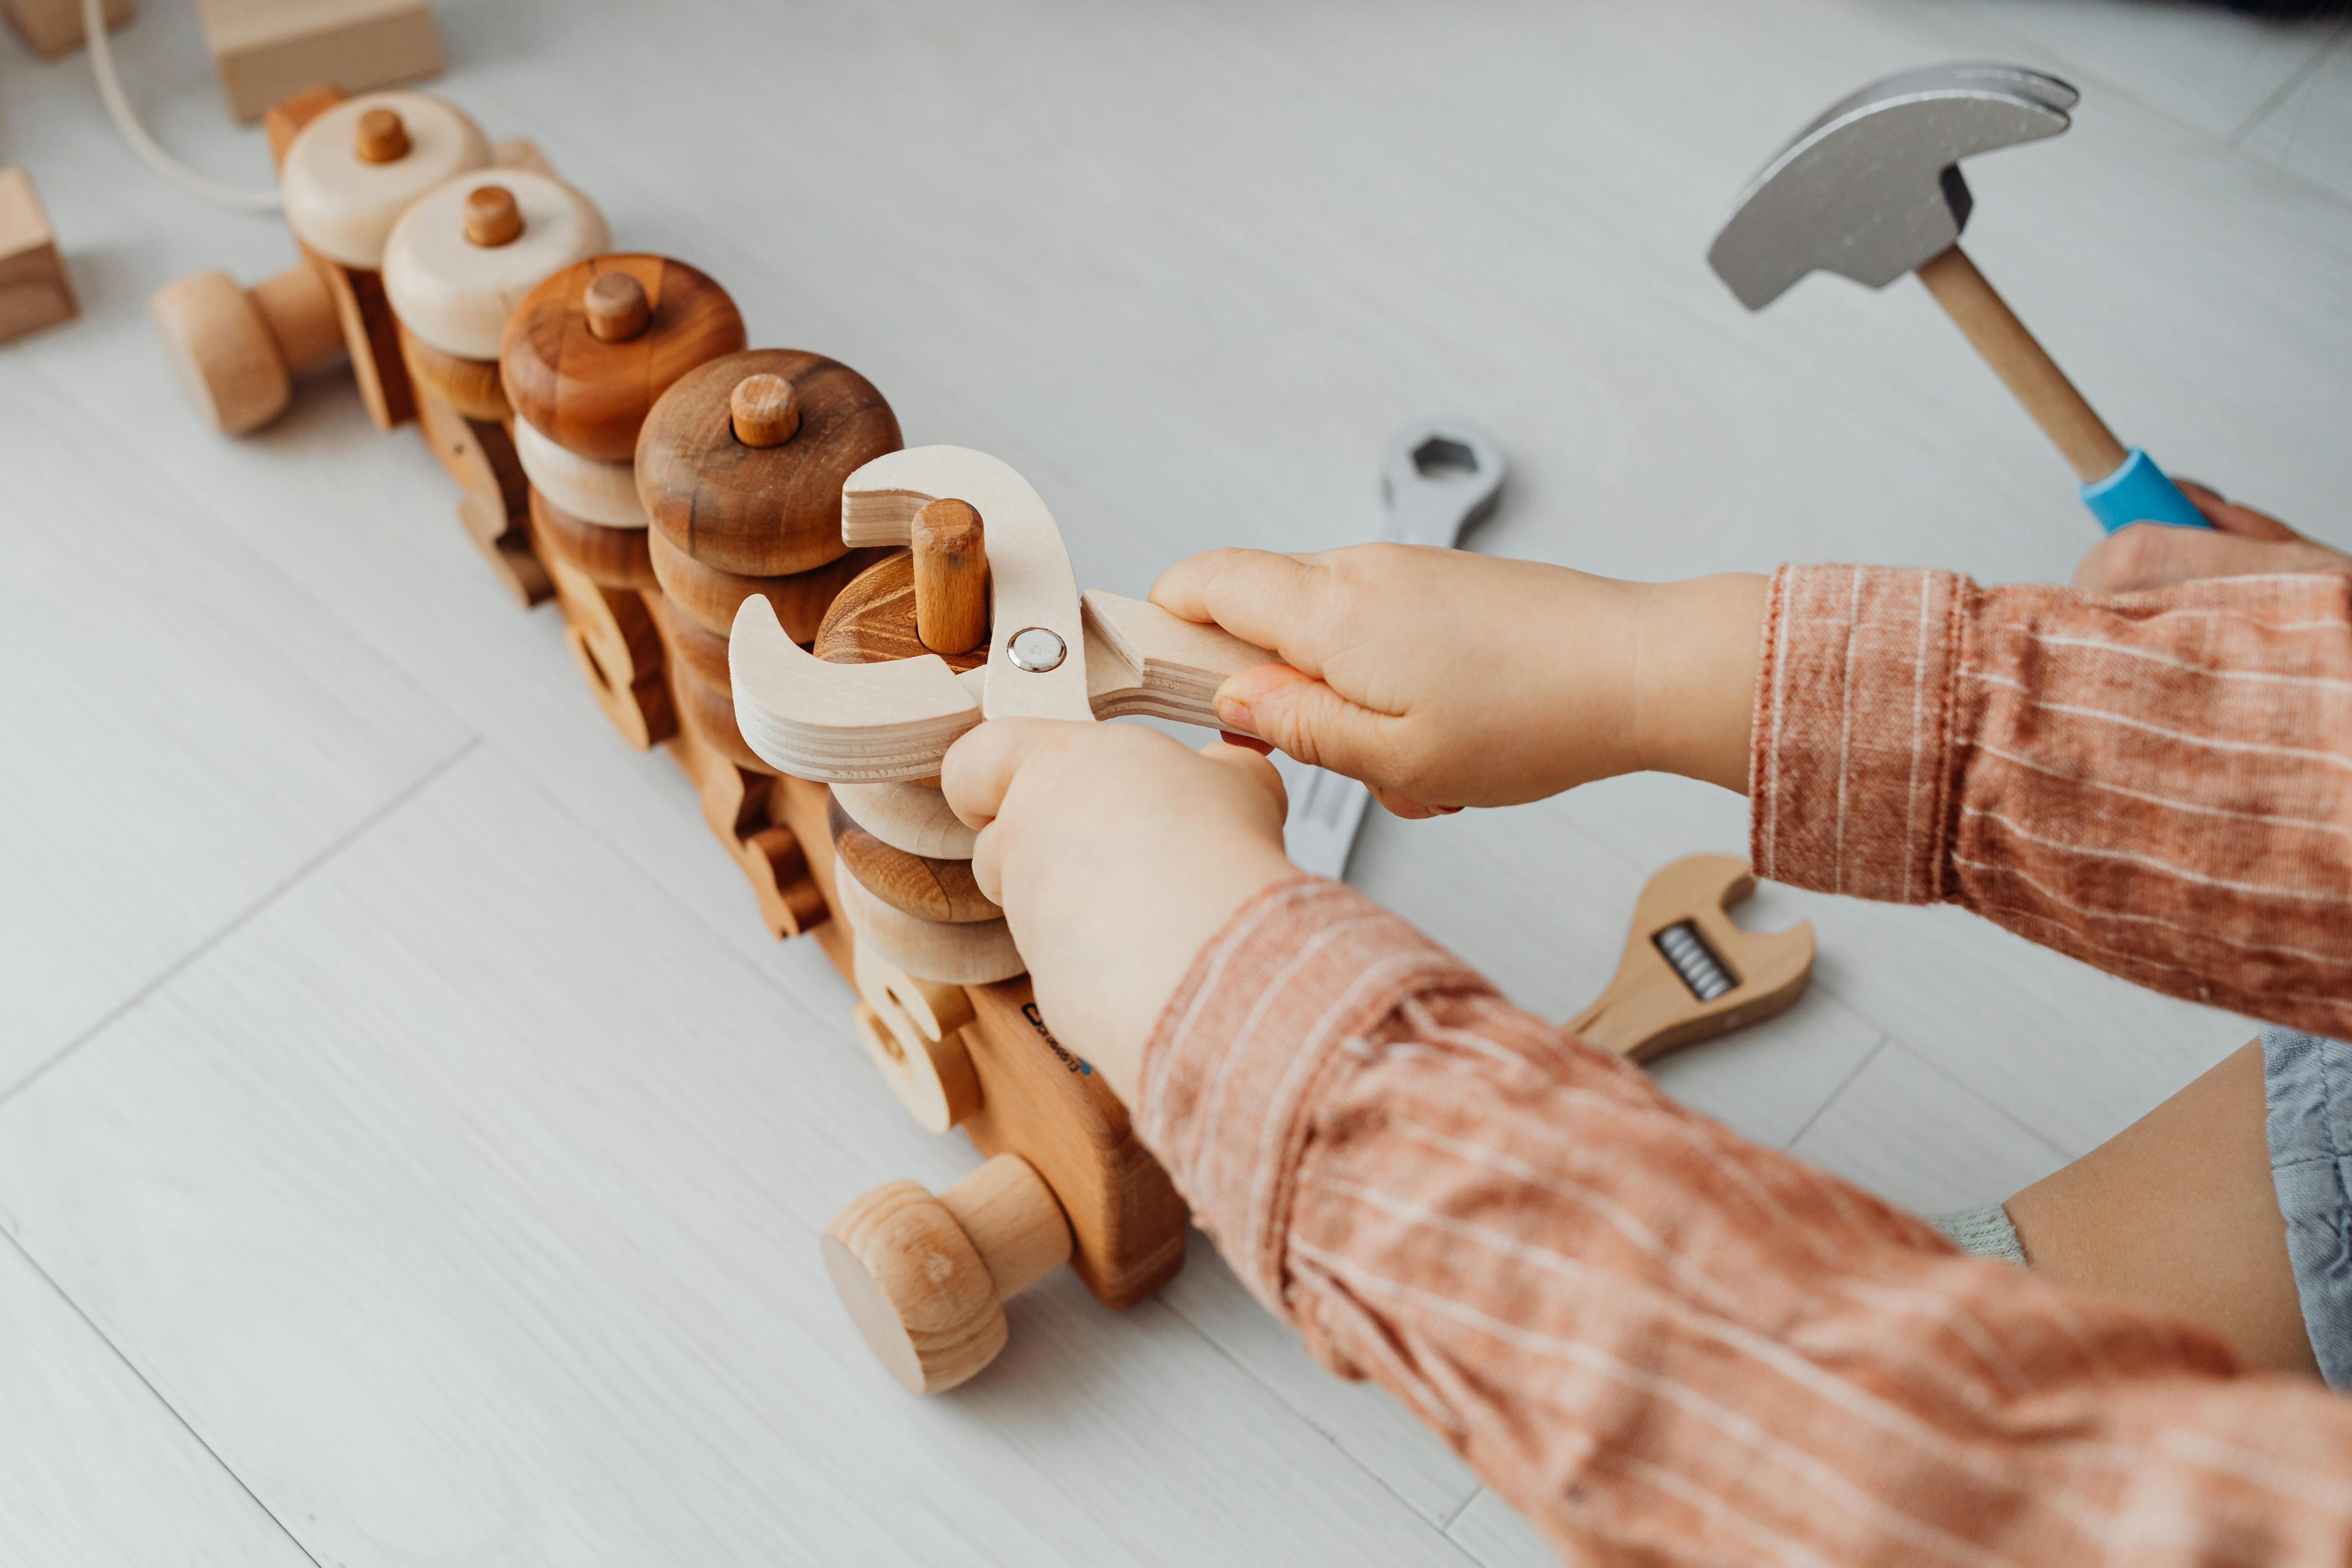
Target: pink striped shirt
(1662, 1343)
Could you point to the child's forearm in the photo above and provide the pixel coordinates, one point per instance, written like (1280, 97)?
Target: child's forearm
(1699, 645)
(2159, 784)
(1656, 1339)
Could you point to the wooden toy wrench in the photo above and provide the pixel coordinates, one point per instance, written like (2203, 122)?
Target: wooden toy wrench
(1438, 477)
(1053, 652)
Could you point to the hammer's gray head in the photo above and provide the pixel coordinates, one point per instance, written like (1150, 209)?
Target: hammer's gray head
(1873, 188)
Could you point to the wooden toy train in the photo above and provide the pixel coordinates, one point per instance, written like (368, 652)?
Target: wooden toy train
(755, 574)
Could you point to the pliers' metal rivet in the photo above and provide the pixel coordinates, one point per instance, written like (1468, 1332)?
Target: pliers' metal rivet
(1035, 650)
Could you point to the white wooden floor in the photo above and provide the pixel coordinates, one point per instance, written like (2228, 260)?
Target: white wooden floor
(410, 1149)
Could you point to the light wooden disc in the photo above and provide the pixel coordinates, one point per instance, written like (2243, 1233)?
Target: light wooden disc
(975, 955)
(760, 511)
(457, 294)
(710, 597)
(908, 816)
(596, 492)
(590, 393)
(344, 207)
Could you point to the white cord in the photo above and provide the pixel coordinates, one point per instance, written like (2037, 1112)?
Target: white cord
(110, 87)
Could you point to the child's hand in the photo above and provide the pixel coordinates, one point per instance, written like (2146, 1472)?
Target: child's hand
(2247, 543)
(1446, 679)
(1116, 853)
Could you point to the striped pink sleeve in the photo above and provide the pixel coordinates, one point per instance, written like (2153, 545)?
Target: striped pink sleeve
(1661, 1342)
(2157, 784)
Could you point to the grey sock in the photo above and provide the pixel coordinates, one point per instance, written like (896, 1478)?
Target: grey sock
(1985, 1232)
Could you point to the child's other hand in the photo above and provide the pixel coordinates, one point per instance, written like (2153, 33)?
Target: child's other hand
(1116, 853)
(2245, 543)
(1443, 679)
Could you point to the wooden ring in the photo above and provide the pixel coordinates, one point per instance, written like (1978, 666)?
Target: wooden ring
(596, 492)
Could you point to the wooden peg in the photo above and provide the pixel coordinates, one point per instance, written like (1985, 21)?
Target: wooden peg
(380, 137)
(926, 1278)
(492, 218)
(950, 577)
(616, 308)
(1689, 973)
(763, 410)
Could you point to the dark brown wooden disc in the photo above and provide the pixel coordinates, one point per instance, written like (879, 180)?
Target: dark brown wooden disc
(469, 385)
(710, 597)
(591, 396)
(912, 884)
(873, 620)
(710, 706)
(615, 557)
(760, 511)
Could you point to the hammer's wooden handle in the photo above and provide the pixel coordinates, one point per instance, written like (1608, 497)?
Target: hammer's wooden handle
(2071, 423)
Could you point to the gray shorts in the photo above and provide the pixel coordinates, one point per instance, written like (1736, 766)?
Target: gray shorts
(2308, 1089)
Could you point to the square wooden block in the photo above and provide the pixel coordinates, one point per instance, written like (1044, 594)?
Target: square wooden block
(51, 27)
(272, 49)
(35, 291)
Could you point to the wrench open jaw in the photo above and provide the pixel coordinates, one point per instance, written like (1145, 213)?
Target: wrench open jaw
(1051, 654)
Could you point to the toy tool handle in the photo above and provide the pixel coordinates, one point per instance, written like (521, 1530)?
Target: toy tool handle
(2120, 486)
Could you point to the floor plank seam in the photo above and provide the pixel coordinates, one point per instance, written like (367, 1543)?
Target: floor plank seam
(2286, 92)
(1315, 1427)
(242, 918)
(1844, 1083)
(132, 1367)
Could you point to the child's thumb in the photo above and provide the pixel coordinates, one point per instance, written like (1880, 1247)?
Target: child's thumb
(1303, 718)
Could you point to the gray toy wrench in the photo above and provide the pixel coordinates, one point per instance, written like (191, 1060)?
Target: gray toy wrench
(1439, 477)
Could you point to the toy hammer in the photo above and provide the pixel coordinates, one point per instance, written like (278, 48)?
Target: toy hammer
(1873, 190)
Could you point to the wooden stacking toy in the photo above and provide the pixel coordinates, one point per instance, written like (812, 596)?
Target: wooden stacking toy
(583, 362)
(347, 169)
(738, 470)
(460, 261)
(756, 573)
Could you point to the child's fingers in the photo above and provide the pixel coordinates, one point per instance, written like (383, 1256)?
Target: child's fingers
(1257, 595)
(1306, 719)
(2147, 555)
(1243, 754)
(2231, 518)
(982, 763)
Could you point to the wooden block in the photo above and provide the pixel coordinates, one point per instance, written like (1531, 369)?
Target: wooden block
(1689, 973)
(268, 49)
(35, 291)
(53, 27)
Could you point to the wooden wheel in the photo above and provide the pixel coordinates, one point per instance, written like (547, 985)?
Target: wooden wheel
(926, 1278)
